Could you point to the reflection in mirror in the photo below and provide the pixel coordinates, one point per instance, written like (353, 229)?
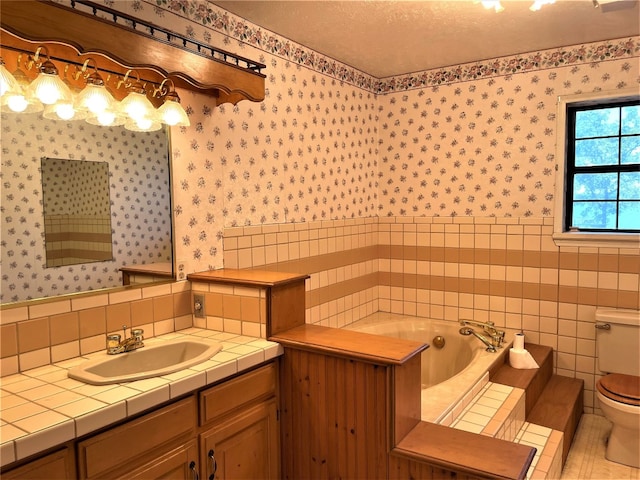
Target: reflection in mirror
(77, 211)
(140, 203)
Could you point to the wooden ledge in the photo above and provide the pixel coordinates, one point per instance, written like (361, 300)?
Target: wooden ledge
(249, 278)
(348, 343)
(460, 451)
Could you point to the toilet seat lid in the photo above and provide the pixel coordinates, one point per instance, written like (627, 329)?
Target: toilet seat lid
(621, 388)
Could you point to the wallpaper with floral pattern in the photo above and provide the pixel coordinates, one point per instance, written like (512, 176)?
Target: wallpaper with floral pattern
(139, 193)
(330, 142)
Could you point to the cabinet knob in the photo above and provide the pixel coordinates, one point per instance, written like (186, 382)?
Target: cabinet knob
(214, 465)
(192, 467)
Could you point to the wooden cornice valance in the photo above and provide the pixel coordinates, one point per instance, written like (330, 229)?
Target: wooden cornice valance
(133, 44)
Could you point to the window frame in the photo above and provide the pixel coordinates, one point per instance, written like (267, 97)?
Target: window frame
(561, 235)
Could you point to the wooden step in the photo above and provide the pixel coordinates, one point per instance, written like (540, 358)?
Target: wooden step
(532, 381)
(560, 407)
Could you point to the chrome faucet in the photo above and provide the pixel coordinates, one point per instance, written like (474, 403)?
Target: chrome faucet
(482, 338)
(496, 336)
(116, 345)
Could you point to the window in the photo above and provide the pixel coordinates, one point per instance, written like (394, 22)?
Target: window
(598, 181)
(603, 167)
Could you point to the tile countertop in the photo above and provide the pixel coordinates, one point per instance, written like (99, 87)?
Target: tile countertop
(42, 408)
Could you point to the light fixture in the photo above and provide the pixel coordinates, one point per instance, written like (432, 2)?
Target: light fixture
(171, 112)
(495, 4)
(66, 109)
(15, 98)
(48, 87)
(140, 113)
(7, 81)
(538, 4)
(95, 97)
(62, 99)
(144, 124)
(535, 6)
(107, 118)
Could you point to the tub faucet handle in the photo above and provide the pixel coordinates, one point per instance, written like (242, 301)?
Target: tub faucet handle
(498, 338)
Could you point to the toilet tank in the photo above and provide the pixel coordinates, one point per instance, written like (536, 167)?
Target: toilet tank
(619, 343)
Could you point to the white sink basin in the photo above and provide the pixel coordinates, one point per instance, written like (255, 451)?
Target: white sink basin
(146, 362)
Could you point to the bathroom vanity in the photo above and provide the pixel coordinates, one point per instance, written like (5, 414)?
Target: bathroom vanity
(229, 430)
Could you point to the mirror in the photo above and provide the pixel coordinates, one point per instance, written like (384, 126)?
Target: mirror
(77, 211)
(140, 205)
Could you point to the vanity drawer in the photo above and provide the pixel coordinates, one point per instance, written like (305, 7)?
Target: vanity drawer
(235, 393)
(134, 443)
(59, 465)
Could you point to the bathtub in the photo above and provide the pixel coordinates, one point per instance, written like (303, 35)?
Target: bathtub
(450, 375)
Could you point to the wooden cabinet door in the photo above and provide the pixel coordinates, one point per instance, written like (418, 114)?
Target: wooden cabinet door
(177, 464)
(234, 394)
(59, 465)
(137, 442)
(245, 446)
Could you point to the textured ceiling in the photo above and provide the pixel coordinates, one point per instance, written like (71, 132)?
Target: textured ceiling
(386, 38)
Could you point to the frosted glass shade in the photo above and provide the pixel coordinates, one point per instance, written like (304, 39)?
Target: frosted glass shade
(137, 106)
(144, 124)
(106, 118)
(171, 113)
(19, 103)
(7, 81)
(16, 100)
(63, 111)
(96, 99)
(49, 89)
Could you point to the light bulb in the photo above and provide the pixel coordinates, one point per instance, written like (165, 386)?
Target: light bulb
(65, 111)
(495, 4)
(144, 123)
(106, 117)
(17, 103)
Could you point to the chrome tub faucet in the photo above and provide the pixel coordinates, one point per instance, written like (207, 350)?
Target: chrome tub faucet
(495, 337)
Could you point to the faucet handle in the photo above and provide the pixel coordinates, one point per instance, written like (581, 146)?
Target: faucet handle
(498, 338)
(113, 342)
(138, 334)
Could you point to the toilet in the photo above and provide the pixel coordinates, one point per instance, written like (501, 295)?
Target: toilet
(618, 391)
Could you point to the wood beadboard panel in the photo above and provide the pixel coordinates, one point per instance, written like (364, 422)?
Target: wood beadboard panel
(355, 345)
(475, 456)
(405, 469)
(406, 403)
(335, 417)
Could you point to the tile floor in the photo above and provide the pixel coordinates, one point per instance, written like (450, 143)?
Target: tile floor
(586, 457)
